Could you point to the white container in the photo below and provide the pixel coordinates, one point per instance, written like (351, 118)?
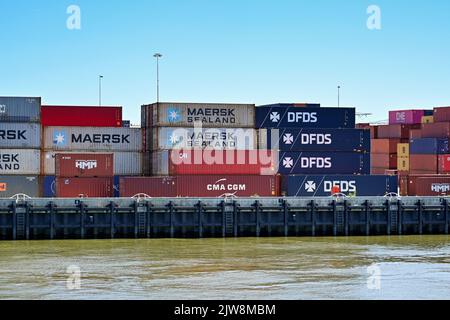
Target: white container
(189, 138)
(210, 115)
(92, 139)
(19, 162)
(125, 163)
(20, 135)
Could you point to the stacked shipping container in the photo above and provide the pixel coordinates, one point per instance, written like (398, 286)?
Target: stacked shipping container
(87, 135)
(215, 142)
(20, 138)
(320, 151)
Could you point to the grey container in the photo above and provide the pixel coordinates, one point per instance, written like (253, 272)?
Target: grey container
(19, 162)
(20, 109)
(160, 163)
(20, 135)
(214, 138)
(210, 115)
(12, 185)
(92, 139)
(125, 163)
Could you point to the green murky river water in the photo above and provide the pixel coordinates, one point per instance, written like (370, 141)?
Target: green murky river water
(274, 268)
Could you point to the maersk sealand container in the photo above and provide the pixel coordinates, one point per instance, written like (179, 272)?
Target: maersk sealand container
(20, 135)
(210, 115)
(330, 118)
(324, 163)
(322, 186)
(20, 109)
(342, 140)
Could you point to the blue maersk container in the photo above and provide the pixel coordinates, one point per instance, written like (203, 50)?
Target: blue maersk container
(324, 163)
(322, 186)
(342, 140)
(429, 146)
(293, 117)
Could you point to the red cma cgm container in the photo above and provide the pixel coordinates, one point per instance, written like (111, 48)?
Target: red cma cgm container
(201, 186)
(84, 165)
(217, 162)
(86, 187)
(80, 116)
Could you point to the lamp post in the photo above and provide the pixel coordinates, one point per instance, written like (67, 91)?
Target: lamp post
(339, 96)
(100, 90)
(157, 56)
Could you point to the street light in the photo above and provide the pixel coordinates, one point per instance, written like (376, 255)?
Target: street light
(100, 90)
(157, 56)
(339, 96)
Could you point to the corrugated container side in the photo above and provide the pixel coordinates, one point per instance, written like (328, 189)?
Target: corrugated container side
(92, 139)
(215, 162)
(436, 130)
(209, 115)
(125, 163)
(330, 118)
(84, 165)
(429, 146)
(20, 109)
(423, 162)
(403, 150)
(397, 131)
(20, 135)
(218, 186)
(19, 162)
(310, 163)
(217, 138)
(427, 119)
(442, 114)
(156, 187)
(388, 161)
(403, 164)
(322, 186)
(444, 164)
(427, 185)
(415, 134)
(385, 145)
(406, 116)
(81, 116)
(86, 187)
(12, 185)
(342, 140)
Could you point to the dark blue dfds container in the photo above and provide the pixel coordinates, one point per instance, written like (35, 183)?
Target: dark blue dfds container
(323, 163)
(292, 117)
(49, 187)
(322, 186)
(429, 146)
(342, 140)
(429, 113)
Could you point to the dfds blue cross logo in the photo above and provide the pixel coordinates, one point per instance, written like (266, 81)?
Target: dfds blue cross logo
(59, 138)
(173, 115)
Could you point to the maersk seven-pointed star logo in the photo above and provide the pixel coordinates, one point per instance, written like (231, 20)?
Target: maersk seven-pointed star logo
(310, 186)
(174, 139)
(275, 117)
(288, 138)
(59, 138)
(288, 162)
(173, 115)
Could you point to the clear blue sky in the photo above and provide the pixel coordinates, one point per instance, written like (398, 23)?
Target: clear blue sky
(250, 51)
